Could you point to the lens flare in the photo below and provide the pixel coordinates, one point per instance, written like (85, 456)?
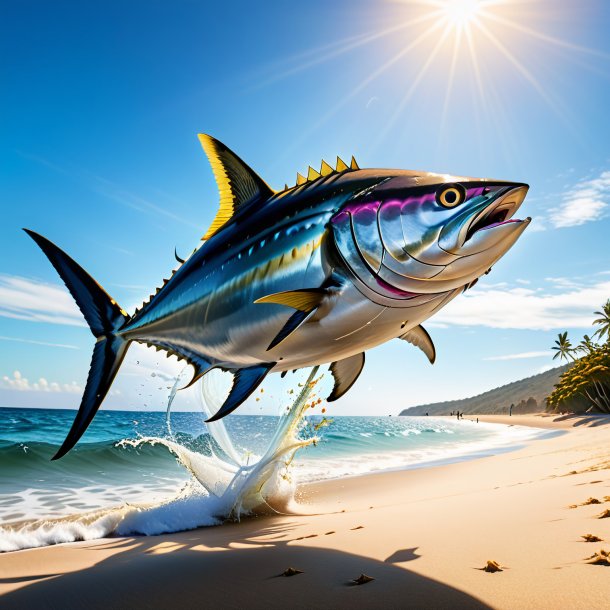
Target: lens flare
(461, 12)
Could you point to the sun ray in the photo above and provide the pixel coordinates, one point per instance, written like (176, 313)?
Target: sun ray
(456, 50)
(422, 72)
(361, 86)
(498, 116)
(541, 36)
(529, 77)
(345, 46)
(476, 67)
(482, 35)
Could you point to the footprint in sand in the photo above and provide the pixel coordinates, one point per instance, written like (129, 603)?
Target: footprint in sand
(604, 515)
(304, 537)
(358, 527)
(329, 533)
(591, 538)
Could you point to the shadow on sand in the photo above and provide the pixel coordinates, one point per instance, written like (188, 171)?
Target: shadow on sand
(201, 569)
(589, 421)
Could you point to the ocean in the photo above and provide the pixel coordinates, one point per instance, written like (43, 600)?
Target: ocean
(130, 474)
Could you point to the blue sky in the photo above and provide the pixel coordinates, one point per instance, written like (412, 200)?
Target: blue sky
(101, 105)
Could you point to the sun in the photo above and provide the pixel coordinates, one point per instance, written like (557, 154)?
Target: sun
(461, 12)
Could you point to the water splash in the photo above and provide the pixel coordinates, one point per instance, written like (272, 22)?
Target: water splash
(240, 486)
(226, 484)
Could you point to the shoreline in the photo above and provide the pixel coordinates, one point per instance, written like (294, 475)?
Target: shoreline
(421, 533)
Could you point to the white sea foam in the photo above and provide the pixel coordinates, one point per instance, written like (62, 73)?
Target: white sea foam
(224, 486)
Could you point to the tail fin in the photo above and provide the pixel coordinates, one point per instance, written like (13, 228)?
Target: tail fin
(105, 318)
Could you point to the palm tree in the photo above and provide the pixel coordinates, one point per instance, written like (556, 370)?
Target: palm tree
(563, 347)
(603, 322)
(586, 375)
(587, 345)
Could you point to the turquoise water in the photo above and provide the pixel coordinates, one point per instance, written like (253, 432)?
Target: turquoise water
(100, 472)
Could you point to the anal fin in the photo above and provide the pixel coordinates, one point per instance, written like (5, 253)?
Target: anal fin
(245, 381)
(419, 337)
(345, 372)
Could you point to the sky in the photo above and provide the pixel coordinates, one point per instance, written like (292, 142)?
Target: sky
(99, 111)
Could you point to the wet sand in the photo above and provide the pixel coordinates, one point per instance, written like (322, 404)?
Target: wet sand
(423, 535)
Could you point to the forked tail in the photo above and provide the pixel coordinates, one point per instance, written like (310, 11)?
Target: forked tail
(105, 318)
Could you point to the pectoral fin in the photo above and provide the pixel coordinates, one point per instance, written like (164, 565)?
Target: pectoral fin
(245, 381)
(345, 372)
(419, 337)
(304, 301)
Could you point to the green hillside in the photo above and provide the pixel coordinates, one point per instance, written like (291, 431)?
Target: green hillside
(527, 395)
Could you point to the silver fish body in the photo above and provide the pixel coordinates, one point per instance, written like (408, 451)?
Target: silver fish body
(317, 273)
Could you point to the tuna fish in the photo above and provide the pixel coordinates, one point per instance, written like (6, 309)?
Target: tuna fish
(317, 273)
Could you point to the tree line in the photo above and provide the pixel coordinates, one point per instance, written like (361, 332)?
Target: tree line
(589, 375)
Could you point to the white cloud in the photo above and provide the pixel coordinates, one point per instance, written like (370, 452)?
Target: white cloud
(34, 342)
(520, 356)
(560, 307)
(586, 202)
(30, 299)
(18, 382)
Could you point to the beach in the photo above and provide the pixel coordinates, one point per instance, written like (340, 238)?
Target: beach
(422, 534)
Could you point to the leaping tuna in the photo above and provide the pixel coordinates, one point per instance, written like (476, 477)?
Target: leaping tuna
(317, 273)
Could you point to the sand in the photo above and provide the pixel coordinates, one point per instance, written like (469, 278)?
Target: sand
(423, 535)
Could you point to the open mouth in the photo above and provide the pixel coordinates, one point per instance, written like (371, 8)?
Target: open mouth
(499, 212)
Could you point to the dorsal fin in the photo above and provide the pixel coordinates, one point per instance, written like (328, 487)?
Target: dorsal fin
(238, 184)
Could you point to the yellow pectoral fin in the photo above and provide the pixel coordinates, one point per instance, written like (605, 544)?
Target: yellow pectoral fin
(303, 300)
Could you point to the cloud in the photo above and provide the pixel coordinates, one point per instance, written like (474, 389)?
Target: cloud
(24, 298)
(558, 306)
(34, 342)
(520, 356)
(20, 383)
(586, 202)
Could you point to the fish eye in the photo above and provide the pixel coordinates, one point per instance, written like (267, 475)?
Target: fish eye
(450, 195)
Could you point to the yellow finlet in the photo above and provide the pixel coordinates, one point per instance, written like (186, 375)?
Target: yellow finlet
(303, 300)
(326, 169)
(341, 165)
(301, 179)
(353, 164)
(312, 174)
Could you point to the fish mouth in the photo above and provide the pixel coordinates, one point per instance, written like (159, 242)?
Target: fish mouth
(499, 212)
